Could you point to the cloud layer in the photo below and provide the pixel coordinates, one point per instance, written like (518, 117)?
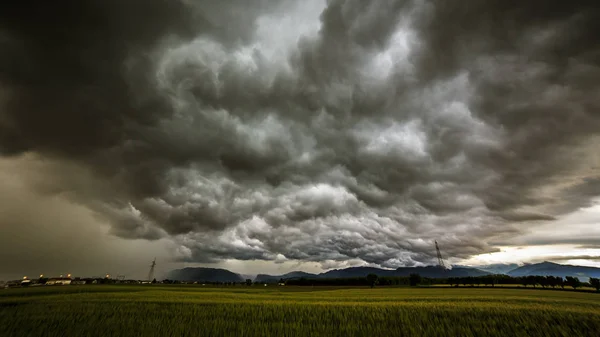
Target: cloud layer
(309, 131)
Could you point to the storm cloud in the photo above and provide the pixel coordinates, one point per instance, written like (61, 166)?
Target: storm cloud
(307, 130)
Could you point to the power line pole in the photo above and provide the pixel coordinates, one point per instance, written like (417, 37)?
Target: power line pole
(439, 256)
(151, 273)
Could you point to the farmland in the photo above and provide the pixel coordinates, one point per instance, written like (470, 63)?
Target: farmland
(295, 311)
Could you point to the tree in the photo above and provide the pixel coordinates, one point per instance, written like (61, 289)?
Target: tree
(573, 282)
(595, 282)
(531, 279)
(248, 282)
(551, 281)
(541, 280)
(414, 279)
(153, 281)
(372, 280)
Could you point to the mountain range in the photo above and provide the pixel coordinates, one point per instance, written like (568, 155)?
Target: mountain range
(498, 268)
(202, 274)
(274, 278)
(555, 269)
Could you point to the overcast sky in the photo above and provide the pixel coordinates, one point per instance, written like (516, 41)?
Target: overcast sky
(270, 136)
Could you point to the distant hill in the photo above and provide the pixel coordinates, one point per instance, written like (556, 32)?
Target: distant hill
(498, 268)
(223, 275)
(356, 272)
(204, 275)
(542, 269)
(555, 269)
(429, 271)
(288, 276)
(437, 272)
(248, 276)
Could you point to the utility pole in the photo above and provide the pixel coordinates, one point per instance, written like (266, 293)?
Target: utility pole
(151, 273)
(439, 256)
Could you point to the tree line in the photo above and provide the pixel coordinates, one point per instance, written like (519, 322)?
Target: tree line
(369, 280)
(531, 280)
(373, 280)
(469, 281)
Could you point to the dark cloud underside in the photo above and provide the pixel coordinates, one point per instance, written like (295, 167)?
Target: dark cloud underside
(307, 131)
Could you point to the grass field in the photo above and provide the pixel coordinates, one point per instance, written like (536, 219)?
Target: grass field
(295, 311)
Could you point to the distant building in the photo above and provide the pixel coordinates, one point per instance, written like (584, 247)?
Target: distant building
(12, 284)
(59, 281)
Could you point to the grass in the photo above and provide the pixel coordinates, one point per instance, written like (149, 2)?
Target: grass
(295, 311)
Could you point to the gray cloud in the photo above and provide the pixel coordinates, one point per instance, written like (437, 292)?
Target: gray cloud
(345, 131)
(585, 239)
(575, 257)
(590, 246)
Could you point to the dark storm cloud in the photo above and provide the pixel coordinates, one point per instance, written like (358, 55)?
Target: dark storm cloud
(239, 132)
(67, 66)
(79, 77)
(533, 66)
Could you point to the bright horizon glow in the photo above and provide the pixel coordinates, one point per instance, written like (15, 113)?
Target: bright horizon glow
(536, 254)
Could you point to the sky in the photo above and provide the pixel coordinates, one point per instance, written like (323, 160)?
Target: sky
(271, 136)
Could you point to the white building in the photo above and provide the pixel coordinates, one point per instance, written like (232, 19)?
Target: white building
(58, 281)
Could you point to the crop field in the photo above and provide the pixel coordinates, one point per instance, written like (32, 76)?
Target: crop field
(154, 310)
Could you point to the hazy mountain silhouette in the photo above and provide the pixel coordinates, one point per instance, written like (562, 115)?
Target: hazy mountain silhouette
(498, 268)
(201, 274)
(437, 272)
(429, 271)
(545, 268)
(288, 276)
(555, 269)
(248, 276)
(356, 272)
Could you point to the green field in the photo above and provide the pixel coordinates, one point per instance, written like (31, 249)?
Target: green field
(295, 311)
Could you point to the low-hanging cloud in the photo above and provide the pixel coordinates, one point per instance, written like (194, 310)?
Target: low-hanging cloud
(314, 131)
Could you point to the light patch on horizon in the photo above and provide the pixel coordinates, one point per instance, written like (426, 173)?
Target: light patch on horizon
(562, 254)
(581, 226)
(573, 235)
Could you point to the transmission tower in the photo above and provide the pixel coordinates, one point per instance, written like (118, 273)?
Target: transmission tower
(439, 256)
(151, 273)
